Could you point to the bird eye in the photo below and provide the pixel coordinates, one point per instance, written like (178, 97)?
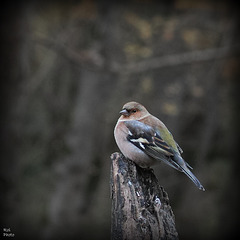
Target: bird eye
(134, 110)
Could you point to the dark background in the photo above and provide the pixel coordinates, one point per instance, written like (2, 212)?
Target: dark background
(66, 70)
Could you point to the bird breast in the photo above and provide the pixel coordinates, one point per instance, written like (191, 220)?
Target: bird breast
(128, 149)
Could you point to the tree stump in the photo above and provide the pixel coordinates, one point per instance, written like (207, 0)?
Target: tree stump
(140, 207)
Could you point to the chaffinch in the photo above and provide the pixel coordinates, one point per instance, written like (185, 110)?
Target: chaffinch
(145, 140)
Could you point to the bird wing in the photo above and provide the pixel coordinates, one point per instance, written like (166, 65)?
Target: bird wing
(179, 148)
(181, 151)
(149, 141)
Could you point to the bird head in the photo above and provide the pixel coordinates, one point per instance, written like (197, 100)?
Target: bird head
(133, 111)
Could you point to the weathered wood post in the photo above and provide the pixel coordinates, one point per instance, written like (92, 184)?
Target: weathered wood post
(140, 207)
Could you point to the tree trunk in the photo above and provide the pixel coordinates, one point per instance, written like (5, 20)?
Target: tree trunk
(140, 207)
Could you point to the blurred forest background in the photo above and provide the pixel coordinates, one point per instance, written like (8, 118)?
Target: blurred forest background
(67, 69)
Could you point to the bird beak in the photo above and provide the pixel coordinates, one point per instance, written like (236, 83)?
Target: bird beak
(124, 112)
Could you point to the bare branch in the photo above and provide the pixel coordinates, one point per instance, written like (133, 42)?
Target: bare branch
(178, 59)
(94, 61)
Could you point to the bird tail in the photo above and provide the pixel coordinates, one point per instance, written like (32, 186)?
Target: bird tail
(184, 168)
(193, 178)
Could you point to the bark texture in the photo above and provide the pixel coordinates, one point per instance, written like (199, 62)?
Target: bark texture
(140, 207)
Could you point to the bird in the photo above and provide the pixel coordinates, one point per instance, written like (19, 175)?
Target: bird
(144, 139)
